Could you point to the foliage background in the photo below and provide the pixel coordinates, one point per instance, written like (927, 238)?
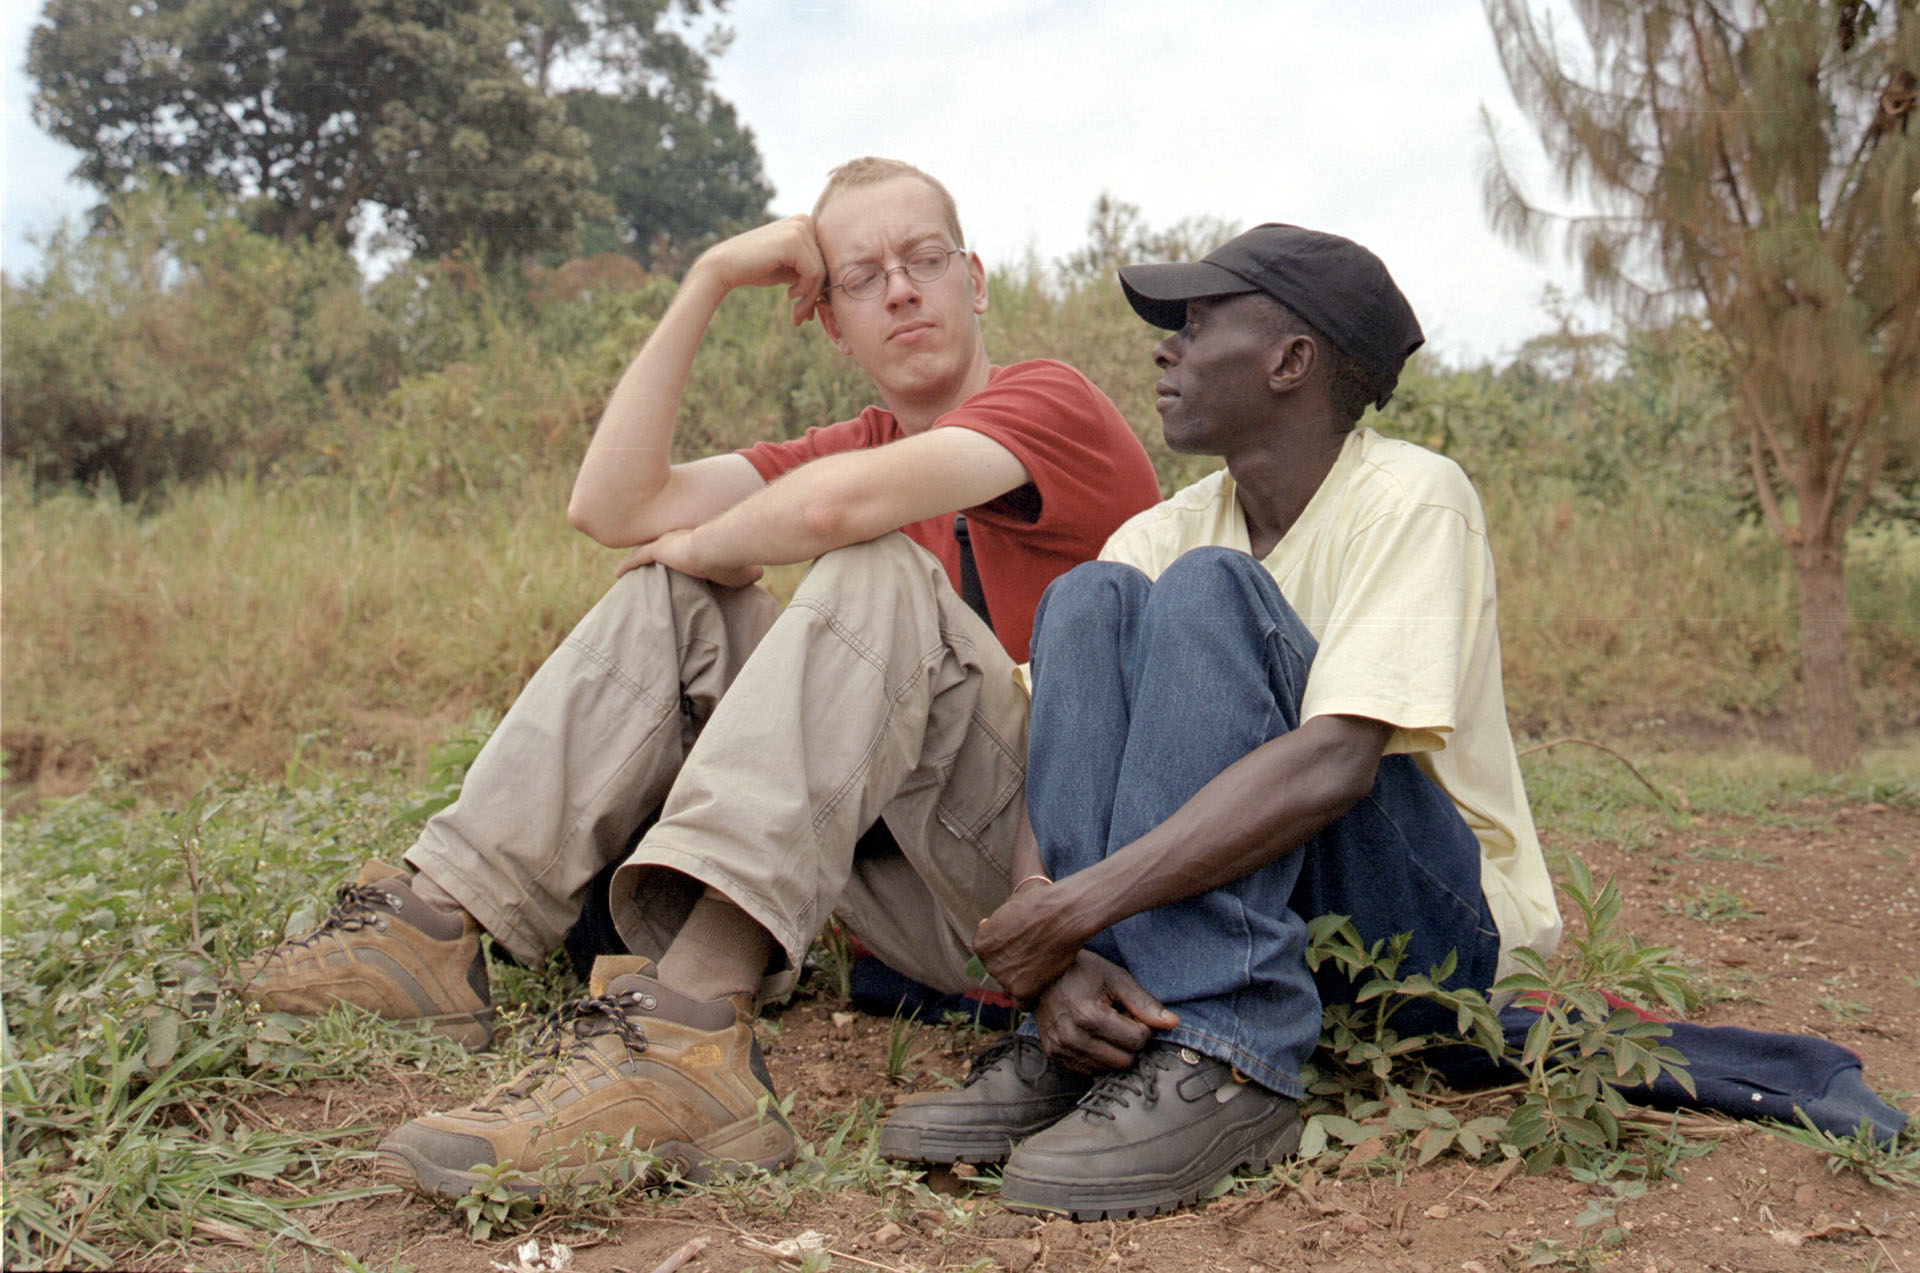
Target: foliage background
(257, 508)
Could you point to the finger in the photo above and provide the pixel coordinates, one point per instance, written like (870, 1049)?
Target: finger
(1138, 1004)
(1118, 1030)
(1091, 1054)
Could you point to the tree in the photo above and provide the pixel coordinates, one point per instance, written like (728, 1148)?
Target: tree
(1753, 163)
(670, 157)
(438, 112)
(674, 179)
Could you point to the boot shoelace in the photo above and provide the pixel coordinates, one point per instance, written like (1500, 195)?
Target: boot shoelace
(354, 907)
(568, 1030)
(989, 1057)
(1141, 1079)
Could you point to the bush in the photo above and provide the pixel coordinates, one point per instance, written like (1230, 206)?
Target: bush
(176, 343)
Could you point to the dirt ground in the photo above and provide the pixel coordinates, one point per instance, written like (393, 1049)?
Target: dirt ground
(1806, 921)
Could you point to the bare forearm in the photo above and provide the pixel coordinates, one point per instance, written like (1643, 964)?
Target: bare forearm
(1257, 810)
(628, 464)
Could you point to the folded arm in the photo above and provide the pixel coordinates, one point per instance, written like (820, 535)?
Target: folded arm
(1260, 808)
(839, 500)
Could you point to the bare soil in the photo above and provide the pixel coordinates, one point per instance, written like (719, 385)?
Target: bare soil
(1805, 921)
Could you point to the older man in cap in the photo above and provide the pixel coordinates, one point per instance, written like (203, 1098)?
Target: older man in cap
(1276, 696)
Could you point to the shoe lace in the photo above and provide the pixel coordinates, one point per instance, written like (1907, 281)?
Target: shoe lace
(567, 1034)
(354, 907)
(988, 1057)
(1118, 1089)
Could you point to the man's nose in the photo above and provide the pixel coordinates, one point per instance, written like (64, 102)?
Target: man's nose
(901, 289)
(1166, 353)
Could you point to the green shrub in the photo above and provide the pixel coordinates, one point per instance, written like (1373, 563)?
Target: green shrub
(174, 343)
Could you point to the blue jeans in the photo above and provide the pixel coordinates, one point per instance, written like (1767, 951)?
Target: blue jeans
(1143, 692)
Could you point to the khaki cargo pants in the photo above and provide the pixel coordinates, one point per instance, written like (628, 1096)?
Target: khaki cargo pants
(769, 744)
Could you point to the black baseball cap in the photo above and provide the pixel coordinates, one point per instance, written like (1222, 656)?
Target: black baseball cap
(1333, 283)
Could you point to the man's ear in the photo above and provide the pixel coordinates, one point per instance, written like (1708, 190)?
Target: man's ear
(1292, 364)
(828, 324)
(977, 281)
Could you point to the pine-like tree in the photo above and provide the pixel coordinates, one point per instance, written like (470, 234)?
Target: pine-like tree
(1754, 162)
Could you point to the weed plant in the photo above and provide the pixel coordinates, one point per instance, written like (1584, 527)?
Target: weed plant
(132, 1112)
(1373, 1090)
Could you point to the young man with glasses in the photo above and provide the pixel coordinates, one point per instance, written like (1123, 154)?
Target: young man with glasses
(878, 712)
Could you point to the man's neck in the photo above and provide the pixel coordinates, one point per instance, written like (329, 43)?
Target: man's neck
(1275, 484)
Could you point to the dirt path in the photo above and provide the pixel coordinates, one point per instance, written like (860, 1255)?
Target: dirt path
(1806, 921)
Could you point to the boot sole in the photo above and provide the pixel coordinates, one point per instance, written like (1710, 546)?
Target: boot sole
(399, 1165)
(938, 1146)
(1260, 1148)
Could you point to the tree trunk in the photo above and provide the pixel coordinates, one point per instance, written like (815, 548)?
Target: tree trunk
(1826, 670)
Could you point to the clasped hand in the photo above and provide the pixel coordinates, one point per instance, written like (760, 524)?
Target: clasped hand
(675, 550)
(1092, 1015)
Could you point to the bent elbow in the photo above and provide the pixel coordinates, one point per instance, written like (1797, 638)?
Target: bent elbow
(588, 520)
(833, 521)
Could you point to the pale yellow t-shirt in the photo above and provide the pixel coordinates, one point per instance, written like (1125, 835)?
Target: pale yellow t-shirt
(1390, 569)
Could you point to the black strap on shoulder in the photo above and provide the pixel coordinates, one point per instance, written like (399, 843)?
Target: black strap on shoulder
(970, 590)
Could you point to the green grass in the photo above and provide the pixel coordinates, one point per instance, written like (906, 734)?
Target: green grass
(131, 1120)
(1578, 793)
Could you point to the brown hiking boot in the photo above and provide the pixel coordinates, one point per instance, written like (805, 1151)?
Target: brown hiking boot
(383, 950)
(633, 1063)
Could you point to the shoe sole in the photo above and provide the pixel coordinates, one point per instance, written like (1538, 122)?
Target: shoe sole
(939, 1146)
(936, 1148)
(399, 1165)
(1260, 1148)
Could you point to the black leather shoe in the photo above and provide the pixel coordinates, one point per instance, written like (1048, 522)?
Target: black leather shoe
(1150, 1139)
(1012, 1091)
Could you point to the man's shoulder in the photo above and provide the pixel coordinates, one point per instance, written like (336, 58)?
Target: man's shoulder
(1405, 472)
(1051, 377)
(1188, 504)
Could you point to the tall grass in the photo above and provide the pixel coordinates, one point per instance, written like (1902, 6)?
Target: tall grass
(246, 623)
(347, 590)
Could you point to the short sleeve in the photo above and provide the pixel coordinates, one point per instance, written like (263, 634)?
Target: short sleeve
(774, 459)
(1394, 647)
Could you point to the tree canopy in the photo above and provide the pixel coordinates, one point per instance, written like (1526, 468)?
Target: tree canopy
(444, 115)
(1754, 163)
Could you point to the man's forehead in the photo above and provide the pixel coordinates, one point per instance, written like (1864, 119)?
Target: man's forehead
(889, 214)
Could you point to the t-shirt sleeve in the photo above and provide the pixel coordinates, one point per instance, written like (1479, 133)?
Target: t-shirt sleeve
(1056, 424)
(773, 459)
(1416, 585)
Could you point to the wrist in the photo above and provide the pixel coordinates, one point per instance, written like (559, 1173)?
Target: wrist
(1031, 879)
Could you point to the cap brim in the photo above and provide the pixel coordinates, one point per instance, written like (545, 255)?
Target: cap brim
(1159, 292)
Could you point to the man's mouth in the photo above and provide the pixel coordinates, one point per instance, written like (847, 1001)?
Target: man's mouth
(908, 333)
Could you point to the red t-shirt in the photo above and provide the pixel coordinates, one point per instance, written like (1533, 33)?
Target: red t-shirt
(1087, 471)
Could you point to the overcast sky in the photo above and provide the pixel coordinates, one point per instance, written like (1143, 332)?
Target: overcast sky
(1360, 118)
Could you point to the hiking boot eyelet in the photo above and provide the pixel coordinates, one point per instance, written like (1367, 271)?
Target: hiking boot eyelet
(1189, 1056)
(647, 1001)
(381, 923)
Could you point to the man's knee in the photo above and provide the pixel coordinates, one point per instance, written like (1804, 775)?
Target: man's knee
(890, 557)
(1212, 569)
(1095, 592)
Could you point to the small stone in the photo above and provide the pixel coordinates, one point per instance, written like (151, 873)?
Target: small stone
(1439, 1211)
(889, 1235)
(1355, 1224)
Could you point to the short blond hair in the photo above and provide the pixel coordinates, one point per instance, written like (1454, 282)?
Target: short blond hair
(869, 170)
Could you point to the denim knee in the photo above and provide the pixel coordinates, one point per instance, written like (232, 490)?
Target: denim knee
(1211, 575)
(1093, 596)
